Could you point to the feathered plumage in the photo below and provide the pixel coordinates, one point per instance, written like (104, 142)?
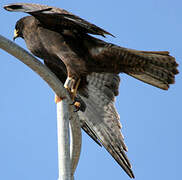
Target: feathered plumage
(63, 41)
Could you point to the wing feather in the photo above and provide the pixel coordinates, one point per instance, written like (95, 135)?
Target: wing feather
(102, 118)
(57, 18)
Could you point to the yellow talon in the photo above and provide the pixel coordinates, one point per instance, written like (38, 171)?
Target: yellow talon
(77, 104)
(57, 99)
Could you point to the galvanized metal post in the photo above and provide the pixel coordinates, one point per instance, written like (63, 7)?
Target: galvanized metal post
(64, 163)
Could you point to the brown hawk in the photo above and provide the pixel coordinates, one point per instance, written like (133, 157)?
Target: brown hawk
(91, 66)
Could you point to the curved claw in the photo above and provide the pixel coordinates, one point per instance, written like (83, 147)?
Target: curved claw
(79, 104)
(57, 99)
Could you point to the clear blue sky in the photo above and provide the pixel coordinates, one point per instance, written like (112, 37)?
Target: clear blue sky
(151, 118)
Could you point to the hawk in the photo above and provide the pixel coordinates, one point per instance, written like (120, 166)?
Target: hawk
(89, 67)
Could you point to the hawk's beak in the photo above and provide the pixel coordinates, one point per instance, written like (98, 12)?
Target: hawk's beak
(15, 34)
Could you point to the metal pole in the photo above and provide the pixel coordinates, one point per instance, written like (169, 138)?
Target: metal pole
(63, 141)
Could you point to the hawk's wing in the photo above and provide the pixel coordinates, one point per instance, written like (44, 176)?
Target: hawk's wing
(101, 116)
(57, 18)
(100, 119)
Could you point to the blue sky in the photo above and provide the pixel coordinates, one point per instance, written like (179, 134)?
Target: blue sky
(151, 117)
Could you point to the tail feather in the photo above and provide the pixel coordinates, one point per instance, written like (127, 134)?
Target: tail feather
(150, 80)
(157, 68)
(156, 52)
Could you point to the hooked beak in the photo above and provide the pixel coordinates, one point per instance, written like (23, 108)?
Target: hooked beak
(15, 34)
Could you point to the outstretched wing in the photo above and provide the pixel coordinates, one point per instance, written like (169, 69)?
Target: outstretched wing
(57, 18)
(100, 119)
(101, 116)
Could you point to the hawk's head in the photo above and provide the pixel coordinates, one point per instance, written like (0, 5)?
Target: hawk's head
(24, 26)
(19, 27)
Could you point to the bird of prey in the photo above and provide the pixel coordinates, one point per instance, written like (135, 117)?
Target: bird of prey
(89, 67)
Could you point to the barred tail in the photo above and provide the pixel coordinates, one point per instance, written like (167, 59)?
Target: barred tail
(157, 68)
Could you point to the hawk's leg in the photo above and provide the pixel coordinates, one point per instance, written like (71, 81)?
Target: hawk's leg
(71, 85)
